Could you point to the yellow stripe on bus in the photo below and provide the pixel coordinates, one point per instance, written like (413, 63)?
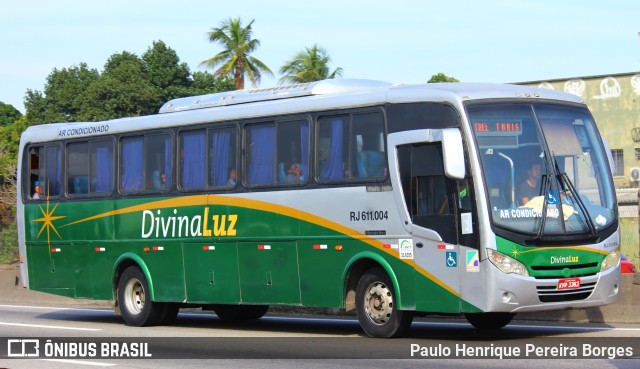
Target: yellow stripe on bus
(262, 206)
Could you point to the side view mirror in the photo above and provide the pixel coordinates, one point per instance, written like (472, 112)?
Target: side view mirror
(453, 153)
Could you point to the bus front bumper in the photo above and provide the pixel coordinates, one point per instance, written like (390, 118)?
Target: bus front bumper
(515, 293)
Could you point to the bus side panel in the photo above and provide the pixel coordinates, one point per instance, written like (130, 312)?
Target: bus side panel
(269, 272)
(431, 296)
(166, 269)
(321, 266)
(211, 272)
(103, 257)
(52, 269)
(83, 271)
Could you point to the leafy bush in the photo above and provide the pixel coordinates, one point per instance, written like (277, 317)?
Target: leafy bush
(9, 244)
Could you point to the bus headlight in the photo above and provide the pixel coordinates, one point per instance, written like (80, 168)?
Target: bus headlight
(506, 264)
(611, 260)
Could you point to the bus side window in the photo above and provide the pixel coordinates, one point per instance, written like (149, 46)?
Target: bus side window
(158, 162)
(193, 159)
(101, 167)
(222, 157)
(261, 169)
(45, 172)
(78, 168)
(35, 190)
(351, 147)
(131, 172)
(292, 151)
(431, 196)
(332, 160)
(370, 154)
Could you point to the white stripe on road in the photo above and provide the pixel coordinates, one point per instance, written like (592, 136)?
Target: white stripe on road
(464, 324)
(54, 308)
(350, 320)
(49, 326)
(79, 362)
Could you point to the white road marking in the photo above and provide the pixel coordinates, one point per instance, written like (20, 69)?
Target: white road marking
(54, 308)
(461, 324)
(79, 362)
(464, 324)
(50, 326)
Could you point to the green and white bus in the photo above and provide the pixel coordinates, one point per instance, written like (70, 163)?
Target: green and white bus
(390, 200)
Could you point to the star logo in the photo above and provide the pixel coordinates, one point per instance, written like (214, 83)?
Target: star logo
(515, 253)
(47, 220)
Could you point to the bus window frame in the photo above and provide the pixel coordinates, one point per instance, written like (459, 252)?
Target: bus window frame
(347, 180)
(286, 119)
(114, 172)
(145, 135)
(26, 176)
(207, 128)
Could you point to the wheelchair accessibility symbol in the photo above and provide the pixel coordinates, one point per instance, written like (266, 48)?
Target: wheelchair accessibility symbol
(451, 259)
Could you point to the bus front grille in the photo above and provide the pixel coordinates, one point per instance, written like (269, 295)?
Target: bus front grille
(552, 294)
(557, 271)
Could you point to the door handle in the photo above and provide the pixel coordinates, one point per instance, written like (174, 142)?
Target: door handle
(419, 245)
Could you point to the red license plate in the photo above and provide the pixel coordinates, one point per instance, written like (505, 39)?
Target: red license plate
(568, 283)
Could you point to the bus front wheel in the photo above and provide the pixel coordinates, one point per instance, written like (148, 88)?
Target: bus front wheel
(135, 301)
(376, 306)
(489, 321)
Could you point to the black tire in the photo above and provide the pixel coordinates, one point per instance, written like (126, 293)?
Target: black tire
(134, 299)
(489, 321)
(376, 306)
(234, 313)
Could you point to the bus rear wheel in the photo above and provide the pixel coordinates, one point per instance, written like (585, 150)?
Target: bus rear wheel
(134, 299)
(233, 313)
(489, 321)
(376, 306)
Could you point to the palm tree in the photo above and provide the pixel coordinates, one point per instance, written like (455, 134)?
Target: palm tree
(308, 66)
(235, 59)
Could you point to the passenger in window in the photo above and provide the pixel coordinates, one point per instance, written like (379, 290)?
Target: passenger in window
(159, 180)
(37, 193)
(294, 173)
(233, 175)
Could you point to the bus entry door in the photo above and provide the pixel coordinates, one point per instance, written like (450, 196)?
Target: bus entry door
(434, 228)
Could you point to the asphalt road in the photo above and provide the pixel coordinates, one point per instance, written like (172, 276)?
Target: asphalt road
(66, 338)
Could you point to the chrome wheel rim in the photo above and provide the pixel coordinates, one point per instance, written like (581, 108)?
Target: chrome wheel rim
(134, 296)
(378, 303)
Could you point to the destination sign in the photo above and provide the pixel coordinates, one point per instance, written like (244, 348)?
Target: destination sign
(495, 127)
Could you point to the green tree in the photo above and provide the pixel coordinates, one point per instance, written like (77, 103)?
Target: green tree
(235, 60)
(9, 244)
(165, 72)
(203, 83)
(9, 140)
(63, 96)
(123, 90)
(128, 86)
(308, 66)
(441, 77)
(8, 114)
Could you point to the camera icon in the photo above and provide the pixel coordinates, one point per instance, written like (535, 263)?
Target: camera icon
(23, 348)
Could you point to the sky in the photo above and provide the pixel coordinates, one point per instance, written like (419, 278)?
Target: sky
(400, 41)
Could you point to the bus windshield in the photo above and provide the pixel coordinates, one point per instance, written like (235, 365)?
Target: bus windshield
(544, 167)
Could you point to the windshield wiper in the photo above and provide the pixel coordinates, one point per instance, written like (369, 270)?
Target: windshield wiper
(566, 181)
(546, 187)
